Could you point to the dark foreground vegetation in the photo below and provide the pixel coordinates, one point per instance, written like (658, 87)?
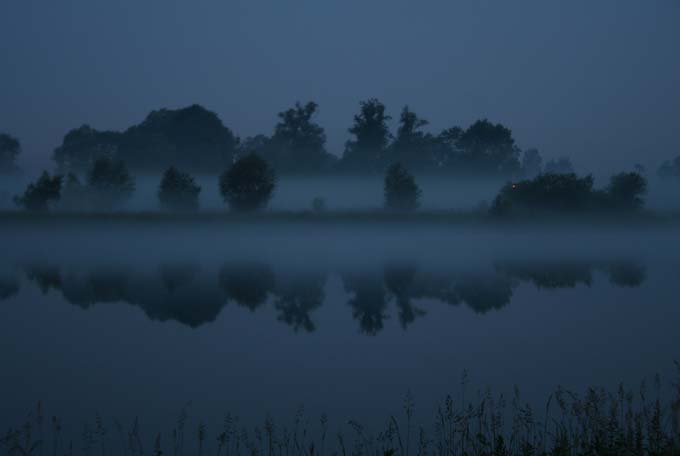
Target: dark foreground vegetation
(596, 422)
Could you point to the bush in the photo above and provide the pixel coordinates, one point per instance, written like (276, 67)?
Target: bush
(571, 194)
(318, 204)
(178, 191)
(546, 192)
(248, 185)
(110, 183)
(39, 195)
(401, 191)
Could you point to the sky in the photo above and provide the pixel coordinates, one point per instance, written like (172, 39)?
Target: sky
(594, 80)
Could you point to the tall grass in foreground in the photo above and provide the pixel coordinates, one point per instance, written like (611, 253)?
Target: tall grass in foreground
(623, 422)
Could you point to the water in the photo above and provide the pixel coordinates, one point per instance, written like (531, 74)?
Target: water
(139, 320)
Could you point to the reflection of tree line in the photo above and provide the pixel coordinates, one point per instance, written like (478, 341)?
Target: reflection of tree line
(182, 292)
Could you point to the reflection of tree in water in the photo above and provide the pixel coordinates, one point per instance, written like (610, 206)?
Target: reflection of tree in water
(45, 276)
(550, 275)
(174, 275)
(369, 302)
(9, 287)
(247, 283)
(485, 293)
(296, 297)
(399, 280)
(626, 273)
(183, 292)
(622, 273)
(187, 297)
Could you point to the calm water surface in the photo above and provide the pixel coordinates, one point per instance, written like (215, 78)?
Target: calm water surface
(139, 321)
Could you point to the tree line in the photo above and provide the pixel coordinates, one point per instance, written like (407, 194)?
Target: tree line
(195, 139)
(248, 185)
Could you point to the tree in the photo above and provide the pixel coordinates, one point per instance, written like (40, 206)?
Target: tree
(412, 146)
(625, 191)
(298, 144)
(365, 153)
(110, 183)
(488, 149)
(39, 195)
(560, 166)
(531, 163)
(192, 138)
(10, 148)
(82, 146)
(248, 185)
(178, 191)
(74, 195)
(401, 191)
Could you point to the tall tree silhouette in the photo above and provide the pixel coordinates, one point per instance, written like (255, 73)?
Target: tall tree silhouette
(365, 153)
(412, 147)
(298, 144)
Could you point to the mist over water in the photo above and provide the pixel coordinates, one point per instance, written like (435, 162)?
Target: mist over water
(346, 192)
(255, 320)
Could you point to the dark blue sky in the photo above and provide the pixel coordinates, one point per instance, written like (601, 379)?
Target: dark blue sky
(596, 80)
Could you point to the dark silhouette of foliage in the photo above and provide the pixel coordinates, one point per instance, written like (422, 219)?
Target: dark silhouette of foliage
(625, 191)
(369, 303)
(249, 184)
(74, 195)
(39, 195)
(531, 163)
(365, 153)
(488, 149)
(10, 148)
(400, 282)
(412, 147)
(401, 191)
(670, 169)
(547, 192)
(550, 275)
(298, 144)
(296, 297)
(109, 183)
(627, 274)
(46, 276)
(248, 284)
(560, 166)
(485, 293)
(177, 293)
(9, 287)
(82, 146)
(191, 138)
(178, 191)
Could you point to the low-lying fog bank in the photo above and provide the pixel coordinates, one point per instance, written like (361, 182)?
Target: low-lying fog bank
(345, 193)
